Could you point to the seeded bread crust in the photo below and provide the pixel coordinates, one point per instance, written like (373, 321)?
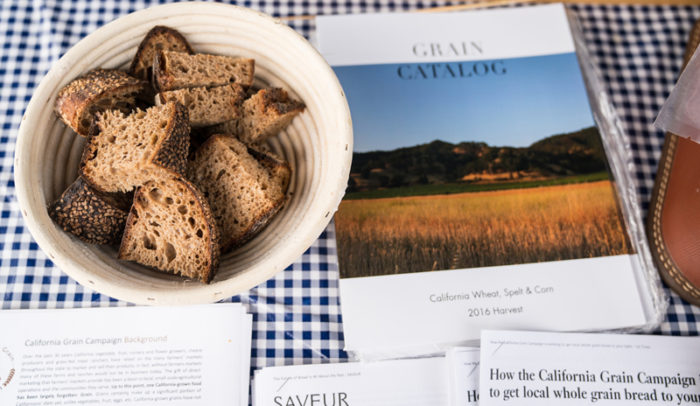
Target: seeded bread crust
(243, 192)
(154, 241)
(208, 105)
(159, 38)
(96, 91)
(178, 70)
(264, 115)
(168, 154)
(89, 215)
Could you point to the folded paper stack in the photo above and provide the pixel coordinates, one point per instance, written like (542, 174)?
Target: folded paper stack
(512, 367)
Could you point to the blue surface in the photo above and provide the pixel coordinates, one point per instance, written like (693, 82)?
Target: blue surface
(296, 314)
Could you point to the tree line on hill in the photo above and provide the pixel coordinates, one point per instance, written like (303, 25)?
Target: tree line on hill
(438, 162)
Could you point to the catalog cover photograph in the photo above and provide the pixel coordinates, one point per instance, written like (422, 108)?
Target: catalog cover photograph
(473, 164)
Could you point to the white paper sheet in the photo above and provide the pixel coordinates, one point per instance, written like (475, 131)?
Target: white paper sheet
(246, 344)
(420, 382)
(525, 368)
(454, 306)
(196, 355)
(463, 370)
(462, 36)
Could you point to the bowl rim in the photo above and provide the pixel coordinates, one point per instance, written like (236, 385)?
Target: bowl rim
(29, 195)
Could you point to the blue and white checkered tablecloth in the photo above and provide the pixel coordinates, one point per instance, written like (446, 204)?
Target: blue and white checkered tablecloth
(296, 314)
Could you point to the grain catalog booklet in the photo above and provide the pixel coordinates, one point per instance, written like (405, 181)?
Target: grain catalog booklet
(479, 194)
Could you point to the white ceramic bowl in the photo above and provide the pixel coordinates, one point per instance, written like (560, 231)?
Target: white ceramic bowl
(318, 146)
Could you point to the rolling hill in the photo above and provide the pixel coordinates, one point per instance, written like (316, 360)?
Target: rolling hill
(439, 162)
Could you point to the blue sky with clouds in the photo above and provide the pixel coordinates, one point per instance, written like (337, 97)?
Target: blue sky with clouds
(536, 97)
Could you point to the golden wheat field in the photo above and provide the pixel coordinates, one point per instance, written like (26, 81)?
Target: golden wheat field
(414, 234)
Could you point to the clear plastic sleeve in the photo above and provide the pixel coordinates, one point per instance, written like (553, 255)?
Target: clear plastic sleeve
(679, 113)
(619, 154)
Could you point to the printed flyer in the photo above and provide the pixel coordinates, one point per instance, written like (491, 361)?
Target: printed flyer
(463, 364)
(410, 382)
(525, 368)
(480, 194)
(175, 355)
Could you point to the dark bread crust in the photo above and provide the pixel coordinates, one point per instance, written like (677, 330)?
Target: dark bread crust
(277, 101)
(76, 99)
(171, 153)
(161, 80)
(214, 240)
(139, 66)
(89, 153)
(91, 216)
(214, 247)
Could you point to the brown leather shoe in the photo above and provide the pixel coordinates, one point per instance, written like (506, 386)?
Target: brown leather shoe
(673, 224)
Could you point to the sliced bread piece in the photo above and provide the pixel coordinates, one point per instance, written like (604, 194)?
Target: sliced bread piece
(93, 217)
(264, 115)
(280, 171)
(207, 105)
(124, 152)
(170, 228)
(243, 193)
(97, 91)
(177, 70)
(159, 38)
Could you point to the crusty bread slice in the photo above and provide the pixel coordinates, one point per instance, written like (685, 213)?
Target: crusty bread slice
(96, 91)
(264, 115)
(124, 152)
(280, 171)
(243, 193)
(159, 38)
(177, 70)
(207, 105)
(93, 217)
(170, 227)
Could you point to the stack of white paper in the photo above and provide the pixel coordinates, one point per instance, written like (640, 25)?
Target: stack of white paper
(463, 366)
(195, 355)
(520, 368)
(420, 382)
